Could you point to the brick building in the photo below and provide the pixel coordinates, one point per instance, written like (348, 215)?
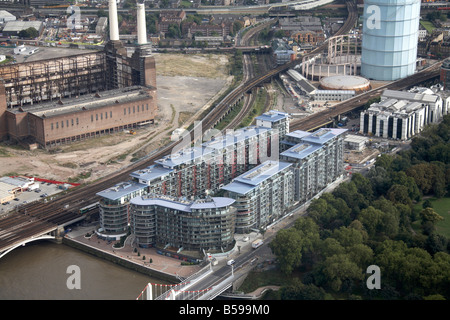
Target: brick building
(166, 18)
(74, 119)
(310, 37)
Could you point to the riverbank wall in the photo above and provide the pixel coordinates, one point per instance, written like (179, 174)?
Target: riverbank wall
(119, 260)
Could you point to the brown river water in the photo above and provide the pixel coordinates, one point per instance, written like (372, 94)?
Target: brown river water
(41, 270)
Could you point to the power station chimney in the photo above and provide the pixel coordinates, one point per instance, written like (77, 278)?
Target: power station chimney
(141, 25)
(113, 22)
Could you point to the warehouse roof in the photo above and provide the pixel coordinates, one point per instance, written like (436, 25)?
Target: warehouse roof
(19, 25)
(411, 96)
(84, 102)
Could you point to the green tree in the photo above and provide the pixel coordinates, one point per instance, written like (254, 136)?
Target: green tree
(347, 237)
(29, 33)
(339, 268)
(429, 215)
(299, 291)
(288, 247)
(174, 31)
(372, 220)
(361, 254)
(399, 194)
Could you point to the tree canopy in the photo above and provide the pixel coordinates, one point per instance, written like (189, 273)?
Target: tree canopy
(368, 221)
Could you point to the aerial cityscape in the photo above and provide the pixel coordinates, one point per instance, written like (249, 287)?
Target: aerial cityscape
(235, 150)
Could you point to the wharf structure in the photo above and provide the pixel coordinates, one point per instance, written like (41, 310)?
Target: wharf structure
(65, 81)
(402, 114)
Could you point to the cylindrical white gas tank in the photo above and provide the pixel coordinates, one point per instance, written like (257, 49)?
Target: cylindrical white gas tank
(390, 35)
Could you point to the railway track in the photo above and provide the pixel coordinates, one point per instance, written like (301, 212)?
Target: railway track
(327, 116)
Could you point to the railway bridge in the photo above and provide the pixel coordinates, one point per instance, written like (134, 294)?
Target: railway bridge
(33, 223)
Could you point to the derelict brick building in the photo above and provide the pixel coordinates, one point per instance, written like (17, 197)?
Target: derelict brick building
(55, 101)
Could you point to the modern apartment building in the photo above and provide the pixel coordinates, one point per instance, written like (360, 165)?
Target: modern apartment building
(168, 205)
(276, 120)
(201, 170)
(164, 221)
(317, 160)
(401, 114)
(113, 206)
(263, 195)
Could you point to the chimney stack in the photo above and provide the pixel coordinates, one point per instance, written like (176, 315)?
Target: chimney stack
(113, 22)
(141, 25)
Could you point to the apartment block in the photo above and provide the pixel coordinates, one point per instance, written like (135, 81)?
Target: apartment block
(201, 170)
(167, 222)
(317, 160)
(263, 195)
(276, 120)
(113, 206)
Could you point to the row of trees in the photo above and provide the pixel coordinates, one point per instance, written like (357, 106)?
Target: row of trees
(369, 221)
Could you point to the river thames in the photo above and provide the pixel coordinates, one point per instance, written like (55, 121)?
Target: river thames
(41, 270)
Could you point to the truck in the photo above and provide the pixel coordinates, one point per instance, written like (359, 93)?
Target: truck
(257, 243)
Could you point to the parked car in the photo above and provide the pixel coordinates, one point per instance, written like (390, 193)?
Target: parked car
(230, 262)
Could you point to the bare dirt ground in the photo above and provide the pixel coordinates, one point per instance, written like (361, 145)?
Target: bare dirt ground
(186, 86)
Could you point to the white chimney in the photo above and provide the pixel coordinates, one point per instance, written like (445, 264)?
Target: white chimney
(113, 22)
(141, 25)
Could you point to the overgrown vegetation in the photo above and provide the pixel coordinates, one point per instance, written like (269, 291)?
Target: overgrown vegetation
(370, 221)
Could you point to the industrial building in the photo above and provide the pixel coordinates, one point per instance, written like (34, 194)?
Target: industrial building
(333, 95)
(343, 58)
(354, 142)
(263, 195)
(10, 187)
(345, 82)
(401, 114)
(80, 118)
(390, 37)
(317, 160)
(6, 16)
(182, 225)
(13, 27)
(64, 81)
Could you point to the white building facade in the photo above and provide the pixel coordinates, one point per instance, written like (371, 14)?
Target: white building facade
(401, 115)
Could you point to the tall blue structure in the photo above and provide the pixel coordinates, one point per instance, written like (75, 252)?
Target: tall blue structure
(390, 36)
